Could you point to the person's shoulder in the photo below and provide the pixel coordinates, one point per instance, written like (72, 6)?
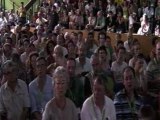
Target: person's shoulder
(87, 59)
(152, 64)
(21, 82)
(114, 63)
(121, 93)
(50, 103)
(69, 101)
(49, 77)
(33, 83)
(3, 86)
(88, 101)
(109, 100)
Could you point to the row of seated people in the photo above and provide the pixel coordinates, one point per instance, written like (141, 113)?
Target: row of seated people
(72, 77)
(92, 71)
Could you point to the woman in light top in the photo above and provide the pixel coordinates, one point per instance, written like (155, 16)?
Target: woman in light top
(60, 107)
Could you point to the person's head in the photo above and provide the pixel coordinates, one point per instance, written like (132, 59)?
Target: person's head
(61, 79)
(110, 14)
(154, 41)
(90, 36)
(9, 40)
(58, 51)
(74, 37)
(31, 62)
(99, 88)
(129, 79)
(60, 40)
(41, 66)
(94, 60)
(80, 35)
(102, 52)
(26, 43)
(108, 41)
(27, 27)
(50, 47)
(99, 14)
(57, 29)
(67, 36)
(158, 50)
(119, 44)
(136, 49)
(129, 36)
(139, 63)
(82, 50)
(7, 28)
(121, 53)
(22, 4)
(39, 14)
(71, 47)
(7, 48)
(102, 38)
(10, 71)
(71, 66)
(15, 57)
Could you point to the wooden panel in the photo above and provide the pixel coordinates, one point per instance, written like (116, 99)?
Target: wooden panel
(145, 41)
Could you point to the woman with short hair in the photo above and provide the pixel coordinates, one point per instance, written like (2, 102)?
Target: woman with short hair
(60, 107)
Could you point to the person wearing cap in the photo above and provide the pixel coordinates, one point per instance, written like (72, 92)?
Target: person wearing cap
(14, 97)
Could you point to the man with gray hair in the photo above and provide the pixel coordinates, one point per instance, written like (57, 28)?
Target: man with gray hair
(13, 94)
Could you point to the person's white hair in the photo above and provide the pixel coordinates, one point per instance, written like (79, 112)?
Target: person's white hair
(60, 72)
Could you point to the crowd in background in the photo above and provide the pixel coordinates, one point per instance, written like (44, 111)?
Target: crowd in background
(49, 74)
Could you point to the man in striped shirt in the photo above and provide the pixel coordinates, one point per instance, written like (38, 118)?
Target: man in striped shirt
(127, 102)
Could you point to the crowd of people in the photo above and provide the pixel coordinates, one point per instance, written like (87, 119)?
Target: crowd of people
(49, 74)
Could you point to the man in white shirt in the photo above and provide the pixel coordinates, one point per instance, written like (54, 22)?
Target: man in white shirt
(82, 62)
(98, 106)
(14, 97)
(117, 68)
